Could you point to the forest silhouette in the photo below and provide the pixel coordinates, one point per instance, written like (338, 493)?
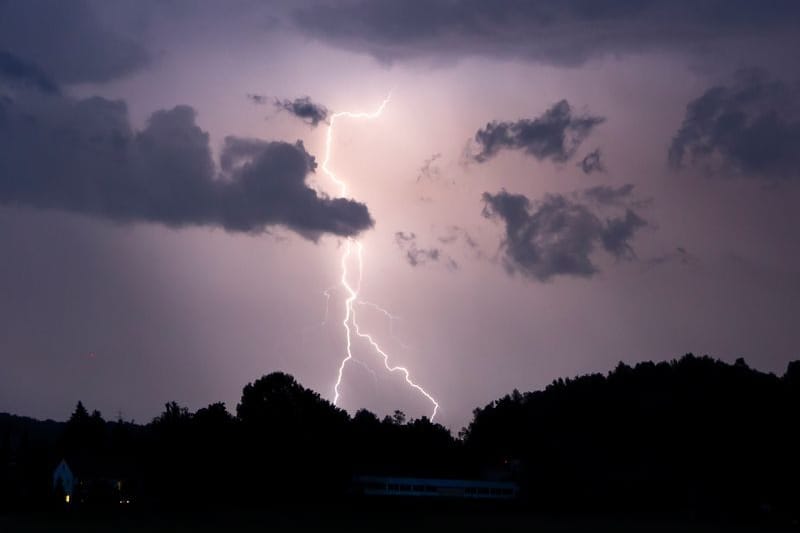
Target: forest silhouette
(694, 434)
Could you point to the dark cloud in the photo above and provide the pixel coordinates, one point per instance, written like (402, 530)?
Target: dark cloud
(592, 162)
(18, 71)
(67, 41)
(555, 135)
(83, 156)
(750, 128)
(618, 233)
(304, 109)
(557, 235)
(568, 32)
(416, 256)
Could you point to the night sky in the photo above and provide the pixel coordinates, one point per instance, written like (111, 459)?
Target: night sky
(552, 188)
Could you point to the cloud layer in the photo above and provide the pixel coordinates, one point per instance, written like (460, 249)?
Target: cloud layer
(592, 162)
(750, 128)
(568, 32)
(303, 108)
(66, 40)
(554, 135)
(83, 156)
(558, 234)
(17, 71)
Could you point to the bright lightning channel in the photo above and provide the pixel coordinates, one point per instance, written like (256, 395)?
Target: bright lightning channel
(392, 318)
(349, 322)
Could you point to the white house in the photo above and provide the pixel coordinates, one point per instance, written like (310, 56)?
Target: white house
(63, 475)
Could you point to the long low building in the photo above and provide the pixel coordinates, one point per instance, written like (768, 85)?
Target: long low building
(441, 488)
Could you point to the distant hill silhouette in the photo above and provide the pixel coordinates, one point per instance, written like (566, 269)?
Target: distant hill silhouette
(693, 434)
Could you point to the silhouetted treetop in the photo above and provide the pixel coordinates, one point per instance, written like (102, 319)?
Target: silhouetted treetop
(710, 427)
(173, 415)
(214, 415)
(80, 414)
(277, 399)
(692, 433)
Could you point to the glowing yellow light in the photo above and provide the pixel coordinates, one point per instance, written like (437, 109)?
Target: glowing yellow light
(66, 498)
(352, 293)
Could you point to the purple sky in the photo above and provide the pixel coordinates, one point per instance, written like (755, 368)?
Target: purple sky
(553, 188)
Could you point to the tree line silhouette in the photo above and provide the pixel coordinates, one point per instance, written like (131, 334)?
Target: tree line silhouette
(693, 434)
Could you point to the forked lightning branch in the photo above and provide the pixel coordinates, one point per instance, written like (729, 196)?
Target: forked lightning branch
(352, 288)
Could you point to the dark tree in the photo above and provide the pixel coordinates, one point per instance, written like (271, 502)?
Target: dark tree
(293, 437)
(80, 415)
(693, 433)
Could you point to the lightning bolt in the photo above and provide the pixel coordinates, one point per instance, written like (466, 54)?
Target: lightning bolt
(349, 322)
(327, 293)
(392, 318)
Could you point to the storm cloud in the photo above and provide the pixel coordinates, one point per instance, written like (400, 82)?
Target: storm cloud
(83, 156)
(749, 128)
(592, 162)
(305, 109)
(555, 135)
(67, 41)
(565, 33)
(557, 235)
(19, 72)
